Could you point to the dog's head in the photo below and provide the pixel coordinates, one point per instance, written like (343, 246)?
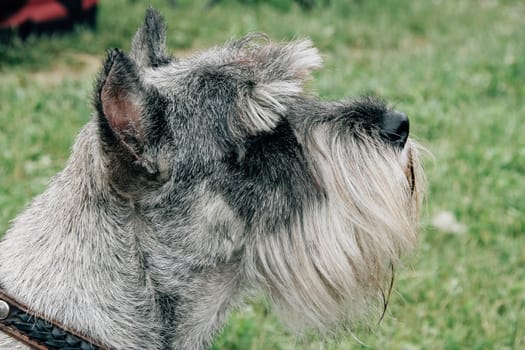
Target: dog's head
(312, 201)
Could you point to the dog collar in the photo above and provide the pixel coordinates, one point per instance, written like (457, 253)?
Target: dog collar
(39, 332)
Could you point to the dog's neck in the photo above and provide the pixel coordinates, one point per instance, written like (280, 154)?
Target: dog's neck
(67, 257)
(79, 254)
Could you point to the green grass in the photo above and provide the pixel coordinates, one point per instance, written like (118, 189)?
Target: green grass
(456, 67)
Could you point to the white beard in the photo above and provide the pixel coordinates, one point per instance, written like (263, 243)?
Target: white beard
(336, 262)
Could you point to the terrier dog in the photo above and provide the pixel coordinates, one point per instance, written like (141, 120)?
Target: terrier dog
(200, 181)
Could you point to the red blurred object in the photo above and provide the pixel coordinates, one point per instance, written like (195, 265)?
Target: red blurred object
(25, 17)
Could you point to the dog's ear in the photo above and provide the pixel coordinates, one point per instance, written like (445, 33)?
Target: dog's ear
(148, 48)
(126, 123)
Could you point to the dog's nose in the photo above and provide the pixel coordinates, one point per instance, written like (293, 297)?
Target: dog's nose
(395, 128)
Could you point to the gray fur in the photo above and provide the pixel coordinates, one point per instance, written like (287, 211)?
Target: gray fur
(201, 181)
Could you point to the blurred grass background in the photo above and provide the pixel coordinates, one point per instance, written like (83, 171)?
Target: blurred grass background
(456, 67)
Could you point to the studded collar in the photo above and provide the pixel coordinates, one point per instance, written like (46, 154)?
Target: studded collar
(39, 332)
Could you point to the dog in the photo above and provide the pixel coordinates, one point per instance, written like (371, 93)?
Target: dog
(201, 181)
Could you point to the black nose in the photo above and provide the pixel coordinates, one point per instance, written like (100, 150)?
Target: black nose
(395, 128)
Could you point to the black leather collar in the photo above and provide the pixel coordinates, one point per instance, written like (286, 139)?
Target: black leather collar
(39, 332)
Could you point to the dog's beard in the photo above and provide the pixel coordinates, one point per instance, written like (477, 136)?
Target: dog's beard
(337, 259)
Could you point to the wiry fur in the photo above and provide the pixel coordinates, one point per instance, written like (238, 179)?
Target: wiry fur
(334, 262)
(200, 181)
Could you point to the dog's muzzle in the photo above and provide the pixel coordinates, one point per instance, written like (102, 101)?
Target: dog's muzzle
(394, 129)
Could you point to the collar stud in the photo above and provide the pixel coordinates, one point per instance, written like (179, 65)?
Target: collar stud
(4, 310)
